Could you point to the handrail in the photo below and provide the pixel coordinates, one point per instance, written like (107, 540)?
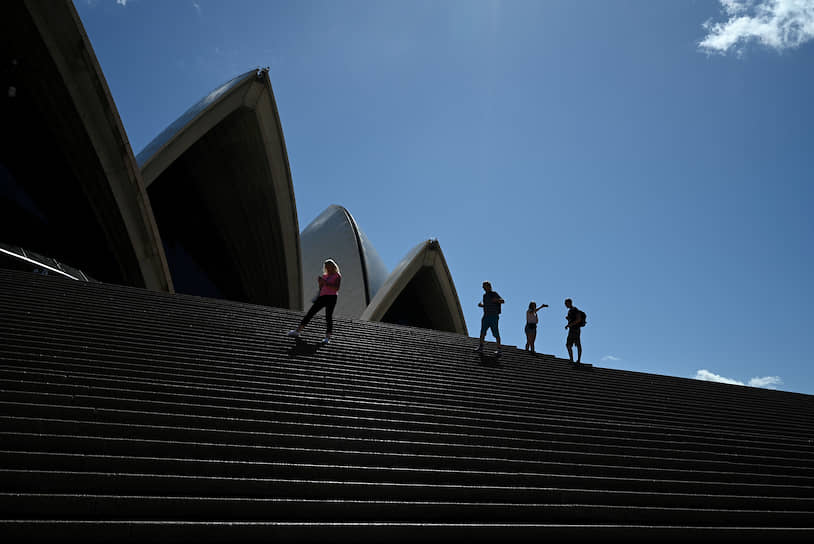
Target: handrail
(38, 264)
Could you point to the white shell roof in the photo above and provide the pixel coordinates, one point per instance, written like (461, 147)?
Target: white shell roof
(193, 112)
(264, 180)
(335, 235)
(439, 293)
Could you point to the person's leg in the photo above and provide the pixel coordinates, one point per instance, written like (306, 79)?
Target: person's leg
(579, 350)
(496, 330)
(318, 304)
(483, 326)
(330, 304)
(532, 337)
(568, 345)
(529, 341)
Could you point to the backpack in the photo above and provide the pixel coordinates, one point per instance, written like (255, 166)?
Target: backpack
(583, 318)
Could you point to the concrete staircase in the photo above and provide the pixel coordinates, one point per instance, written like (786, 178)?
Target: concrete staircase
(133, 416)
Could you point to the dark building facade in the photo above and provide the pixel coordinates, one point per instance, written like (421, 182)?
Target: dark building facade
(69, 185)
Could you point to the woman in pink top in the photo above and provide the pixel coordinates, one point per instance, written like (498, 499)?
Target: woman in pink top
(328, 288)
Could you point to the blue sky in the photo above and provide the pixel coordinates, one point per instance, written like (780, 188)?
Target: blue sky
(651, 160)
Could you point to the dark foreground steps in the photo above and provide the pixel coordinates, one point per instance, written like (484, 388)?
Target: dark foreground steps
(317, 532)
(129, 415)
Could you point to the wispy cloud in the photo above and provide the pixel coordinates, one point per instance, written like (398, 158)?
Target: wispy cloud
(708, 376)
(779, 24)
(767, 382)
(197, 7)
(610, 358)
(121, 2)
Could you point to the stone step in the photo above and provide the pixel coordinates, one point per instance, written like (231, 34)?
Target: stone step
(405, 391)
(34, 406)
(583, 385)
(173, 416)
(564, 475)
(139, 484)
(235, 402)
(139, 531)
(396, 440)
(20, 506)
(548, 474)
(360, 452)
(403, 337)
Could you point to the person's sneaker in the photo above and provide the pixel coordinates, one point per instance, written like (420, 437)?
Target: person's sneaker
(498, 353)
(479, 349)
(326, 340)
(294, 333)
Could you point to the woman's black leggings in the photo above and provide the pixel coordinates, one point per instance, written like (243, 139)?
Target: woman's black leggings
(324, 301)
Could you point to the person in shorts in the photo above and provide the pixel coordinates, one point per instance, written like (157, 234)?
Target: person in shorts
(491, 315)
(531, 324)
(574, 326)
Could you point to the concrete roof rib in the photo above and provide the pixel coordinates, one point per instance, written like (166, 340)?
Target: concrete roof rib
(422, 278)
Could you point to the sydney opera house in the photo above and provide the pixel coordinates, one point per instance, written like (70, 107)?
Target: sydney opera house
(148, 392)
(207, 208)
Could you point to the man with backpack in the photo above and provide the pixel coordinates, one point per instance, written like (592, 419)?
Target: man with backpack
(576, 320)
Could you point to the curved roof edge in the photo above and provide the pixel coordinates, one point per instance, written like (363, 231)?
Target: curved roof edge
(266, 106)
(426, 255)
(251, 90)
(374, 270)
(196, 121)
(62, 31)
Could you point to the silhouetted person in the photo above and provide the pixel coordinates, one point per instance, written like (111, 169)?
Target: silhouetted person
(491, 315)
(328, 283)
(575, 322)
(531, 324)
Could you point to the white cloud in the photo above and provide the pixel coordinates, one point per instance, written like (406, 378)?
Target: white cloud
(197, 7)
(610, 358)
(708, 376)
(121, 2)
(767, 382)
(733, 7)
(779, 24)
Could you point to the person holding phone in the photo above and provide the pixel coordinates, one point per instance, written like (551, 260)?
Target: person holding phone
(328, 283)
